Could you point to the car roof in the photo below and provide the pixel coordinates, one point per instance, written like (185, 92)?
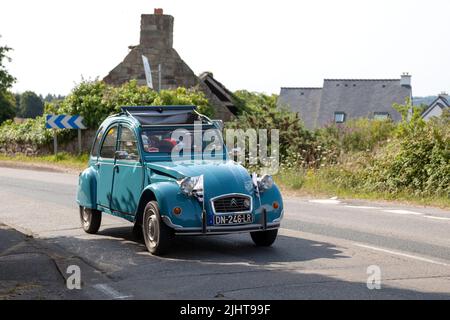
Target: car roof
(151, 116)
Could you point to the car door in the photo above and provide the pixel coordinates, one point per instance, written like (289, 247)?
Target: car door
(128, 173)
(105, 167)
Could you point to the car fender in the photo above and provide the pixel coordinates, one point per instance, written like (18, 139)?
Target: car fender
(169, 196)
(87, 189)
(268, 198)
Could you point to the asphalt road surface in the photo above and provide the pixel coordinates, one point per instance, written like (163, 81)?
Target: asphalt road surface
(327, 249)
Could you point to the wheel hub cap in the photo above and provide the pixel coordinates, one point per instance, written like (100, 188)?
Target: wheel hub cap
(152, 230)
(85, 215)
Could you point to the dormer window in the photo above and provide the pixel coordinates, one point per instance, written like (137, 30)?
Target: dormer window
(339, 117)
(381, 115)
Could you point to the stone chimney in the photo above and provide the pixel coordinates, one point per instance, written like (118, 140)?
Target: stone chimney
(405, 80)
(157, 30)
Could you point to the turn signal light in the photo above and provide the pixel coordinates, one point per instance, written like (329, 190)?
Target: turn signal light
(275, 205)
(177, 211)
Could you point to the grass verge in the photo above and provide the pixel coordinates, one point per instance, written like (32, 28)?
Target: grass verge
(308, 183)
(63, 161)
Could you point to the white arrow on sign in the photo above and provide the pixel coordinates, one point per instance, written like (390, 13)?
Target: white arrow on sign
(65, 122)
(51, 122)
(79, 123)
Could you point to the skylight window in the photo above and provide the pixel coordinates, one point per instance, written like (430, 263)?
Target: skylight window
(339, 117)
(381, 115)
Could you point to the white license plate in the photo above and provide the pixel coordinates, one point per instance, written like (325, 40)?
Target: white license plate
(227, 219)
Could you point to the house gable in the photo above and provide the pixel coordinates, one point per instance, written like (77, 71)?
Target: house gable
(436, 108)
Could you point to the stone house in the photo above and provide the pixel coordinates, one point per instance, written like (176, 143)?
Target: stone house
(342, 99)
(156, 43)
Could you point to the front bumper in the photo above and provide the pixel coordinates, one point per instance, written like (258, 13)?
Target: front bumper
(217, 230)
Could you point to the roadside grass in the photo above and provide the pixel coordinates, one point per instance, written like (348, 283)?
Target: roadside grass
(308, 183)
(61, 160)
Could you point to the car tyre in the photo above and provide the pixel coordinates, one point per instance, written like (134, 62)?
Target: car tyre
(264, 238)
(91, 219)
(157, 235)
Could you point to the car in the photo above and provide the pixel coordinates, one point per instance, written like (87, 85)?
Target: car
(167, 170)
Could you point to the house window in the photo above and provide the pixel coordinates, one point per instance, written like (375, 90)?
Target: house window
(339, 117)
(381, 115)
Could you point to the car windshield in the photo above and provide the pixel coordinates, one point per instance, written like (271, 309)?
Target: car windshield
(182, 141)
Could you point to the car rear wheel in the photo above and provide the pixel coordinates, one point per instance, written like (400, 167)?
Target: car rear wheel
(157, 235)
(264, 238)
(90, 219)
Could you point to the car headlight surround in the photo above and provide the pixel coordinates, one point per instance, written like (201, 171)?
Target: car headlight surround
(265, 182)
(187, 185)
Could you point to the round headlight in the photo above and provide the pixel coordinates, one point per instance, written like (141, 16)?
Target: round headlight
(266, 182)
(187, 185)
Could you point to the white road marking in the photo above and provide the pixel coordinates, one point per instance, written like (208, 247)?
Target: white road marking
(401, 254)
(405, 212)
(395, 211)
(326, 201)
(437, 218)
(114, 294)
(361, 207)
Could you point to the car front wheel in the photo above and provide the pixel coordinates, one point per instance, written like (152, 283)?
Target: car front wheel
(90, 219)
(157, 235)
(264, 238)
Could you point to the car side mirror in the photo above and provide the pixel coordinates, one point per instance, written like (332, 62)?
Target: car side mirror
(121, 155)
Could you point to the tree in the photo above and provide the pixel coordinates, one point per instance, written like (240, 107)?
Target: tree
(7, 106)
(253, 102)
(31, 105)
(7, 101)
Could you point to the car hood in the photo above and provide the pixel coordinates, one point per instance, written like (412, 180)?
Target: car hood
(219, 177)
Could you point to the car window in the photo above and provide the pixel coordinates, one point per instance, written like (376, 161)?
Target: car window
(94, 151)
(168, 140)
(109, 144)
(128, 143)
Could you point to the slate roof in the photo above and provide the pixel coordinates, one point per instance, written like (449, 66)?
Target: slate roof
(357, 98)
(304, 101)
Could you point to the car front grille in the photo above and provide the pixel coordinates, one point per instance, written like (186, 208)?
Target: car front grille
(235, 203)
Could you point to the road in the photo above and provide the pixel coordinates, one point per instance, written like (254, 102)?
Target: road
(327, 249)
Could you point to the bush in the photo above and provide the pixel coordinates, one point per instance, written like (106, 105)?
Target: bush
(418, 160)
(31, 131)
(253, 102)
(356, 135)
(411, 157)
(297, 145)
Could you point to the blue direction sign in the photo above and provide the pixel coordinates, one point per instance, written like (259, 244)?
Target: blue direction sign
(64, 122)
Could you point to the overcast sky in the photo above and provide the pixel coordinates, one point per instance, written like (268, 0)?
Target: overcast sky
(255, 45)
